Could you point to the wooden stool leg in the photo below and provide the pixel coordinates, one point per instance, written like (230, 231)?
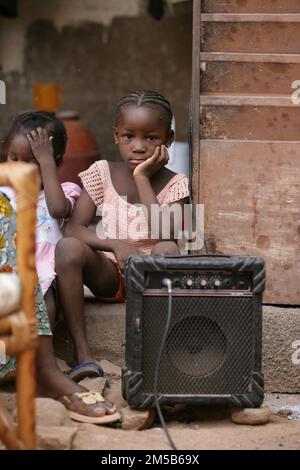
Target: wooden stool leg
(26, 377)
(25, 180)
(26, 392)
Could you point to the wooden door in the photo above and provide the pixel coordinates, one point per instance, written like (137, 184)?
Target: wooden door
(246, 133)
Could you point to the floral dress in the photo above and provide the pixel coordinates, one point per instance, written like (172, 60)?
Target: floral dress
(8, 264)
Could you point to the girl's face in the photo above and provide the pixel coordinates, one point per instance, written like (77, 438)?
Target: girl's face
(19, 150)
(139, 131)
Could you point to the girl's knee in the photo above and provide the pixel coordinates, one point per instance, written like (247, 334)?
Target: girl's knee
(165, 248)
(68, 251)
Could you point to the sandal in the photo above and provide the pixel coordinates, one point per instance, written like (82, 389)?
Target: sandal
(85, 369)
(89, 398)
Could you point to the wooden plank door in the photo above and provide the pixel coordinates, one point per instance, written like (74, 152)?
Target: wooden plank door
(246, 133)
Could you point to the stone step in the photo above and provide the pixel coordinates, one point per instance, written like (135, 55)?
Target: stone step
(106, 332)
(281, 349)
(281, 341)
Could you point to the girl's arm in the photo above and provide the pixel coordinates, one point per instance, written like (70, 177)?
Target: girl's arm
(142, 174)
(58, 205)
(77, 227)
(82, 216)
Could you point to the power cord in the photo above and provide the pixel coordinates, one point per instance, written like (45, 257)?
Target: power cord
(168, 283)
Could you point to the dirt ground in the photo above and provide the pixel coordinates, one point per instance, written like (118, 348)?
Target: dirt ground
(198, 429)
(209, 430)
(206, 435)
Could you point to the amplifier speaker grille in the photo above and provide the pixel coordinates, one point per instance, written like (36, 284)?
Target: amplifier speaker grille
(209, 347)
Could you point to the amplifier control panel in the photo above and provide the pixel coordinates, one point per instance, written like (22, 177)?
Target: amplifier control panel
(200, 280)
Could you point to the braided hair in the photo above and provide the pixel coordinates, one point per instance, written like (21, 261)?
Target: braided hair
(26, 122)
(149, 98)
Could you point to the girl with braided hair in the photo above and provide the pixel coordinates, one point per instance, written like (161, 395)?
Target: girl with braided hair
(142, 133)
(40, 138)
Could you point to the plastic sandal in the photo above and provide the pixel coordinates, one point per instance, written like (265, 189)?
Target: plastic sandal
(89, 398)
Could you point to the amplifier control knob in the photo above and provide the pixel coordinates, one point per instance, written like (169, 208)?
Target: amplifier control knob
(187, 281)
(217, 283)
(203, 282)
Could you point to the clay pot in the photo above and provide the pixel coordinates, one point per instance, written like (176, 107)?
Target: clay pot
(81, 149)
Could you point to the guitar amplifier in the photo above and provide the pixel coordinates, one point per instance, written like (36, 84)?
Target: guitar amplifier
(212, 353)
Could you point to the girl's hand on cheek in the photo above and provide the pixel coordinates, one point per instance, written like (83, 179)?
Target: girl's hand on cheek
(153, 164)
(41, 145)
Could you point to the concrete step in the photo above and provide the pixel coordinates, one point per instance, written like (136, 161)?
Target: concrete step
(281, 349)
(105, 329)
(281, 341)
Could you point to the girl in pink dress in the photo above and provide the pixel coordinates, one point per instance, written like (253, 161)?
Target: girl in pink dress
(39, 138)
(142, 133)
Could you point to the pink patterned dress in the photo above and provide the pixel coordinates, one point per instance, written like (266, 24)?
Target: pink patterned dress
(121, 219)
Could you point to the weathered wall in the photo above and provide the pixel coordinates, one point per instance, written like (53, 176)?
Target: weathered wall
(96, 51)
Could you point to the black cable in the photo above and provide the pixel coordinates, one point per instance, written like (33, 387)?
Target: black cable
(168, 283)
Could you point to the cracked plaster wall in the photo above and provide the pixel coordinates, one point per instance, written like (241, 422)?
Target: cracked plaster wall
(96, 50)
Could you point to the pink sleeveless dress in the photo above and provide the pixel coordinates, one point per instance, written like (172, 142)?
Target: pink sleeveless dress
(121, 219)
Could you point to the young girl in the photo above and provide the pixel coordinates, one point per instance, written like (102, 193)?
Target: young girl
(142, 133)
(40, 138)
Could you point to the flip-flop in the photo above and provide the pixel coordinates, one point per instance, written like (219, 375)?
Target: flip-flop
(106, 419)
(85, 369)
(89, 398)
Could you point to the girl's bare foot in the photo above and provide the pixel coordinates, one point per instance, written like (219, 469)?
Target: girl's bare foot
(54, 384)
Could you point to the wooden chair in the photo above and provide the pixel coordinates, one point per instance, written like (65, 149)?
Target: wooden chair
(18, 328)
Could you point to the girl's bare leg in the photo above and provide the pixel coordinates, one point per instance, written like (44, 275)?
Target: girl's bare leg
(165, 248)
(77, 264)
(51, 382)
